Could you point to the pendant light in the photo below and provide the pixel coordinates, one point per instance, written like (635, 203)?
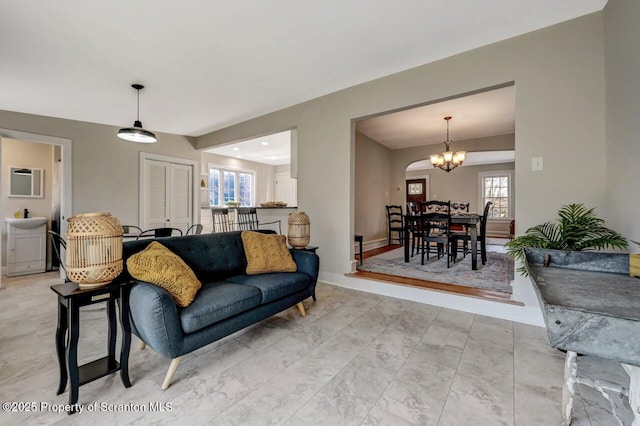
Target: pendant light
(137, 133)
(448, 160)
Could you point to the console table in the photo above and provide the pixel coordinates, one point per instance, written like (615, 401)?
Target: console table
(70, 299)
(591, 306)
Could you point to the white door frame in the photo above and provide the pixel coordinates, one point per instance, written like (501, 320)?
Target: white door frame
(66, 195)
(195, 184)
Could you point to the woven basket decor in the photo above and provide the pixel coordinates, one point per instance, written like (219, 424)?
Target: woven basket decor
(299, 231)
(94, 249)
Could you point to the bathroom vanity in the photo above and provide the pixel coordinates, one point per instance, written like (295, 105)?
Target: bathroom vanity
(26, 246)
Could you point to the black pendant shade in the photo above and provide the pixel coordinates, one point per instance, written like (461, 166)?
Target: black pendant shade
(137, 133)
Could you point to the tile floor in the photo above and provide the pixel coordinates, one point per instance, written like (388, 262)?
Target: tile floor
(357, 358)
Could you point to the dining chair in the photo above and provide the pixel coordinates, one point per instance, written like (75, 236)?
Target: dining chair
(481, 238)
(221, 221)
(395, 223)
(130, 231)
(58, 242)
(194, 229)
(159, 233)
(435, 225)
(412, 223)
(248, 220)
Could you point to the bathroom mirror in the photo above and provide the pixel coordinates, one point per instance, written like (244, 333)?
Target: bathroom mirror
(26, 182)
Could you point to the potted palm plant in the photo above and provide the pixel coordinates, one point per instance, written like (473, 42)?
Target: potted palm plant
(577, 229)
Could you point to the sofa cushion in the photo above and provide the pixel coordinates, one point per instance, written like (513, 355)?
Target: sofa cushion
(266, 253)
(274, 286)
(157, 265)
(217, 301)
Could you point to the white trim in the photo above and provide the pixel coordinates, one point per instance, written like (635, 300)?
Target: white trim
(509, 173)
(66, 195)
(195, 177)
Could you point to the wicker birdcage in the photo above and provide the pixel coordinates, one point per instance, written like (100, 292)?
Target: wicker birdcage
(94, 249)
(299, 232)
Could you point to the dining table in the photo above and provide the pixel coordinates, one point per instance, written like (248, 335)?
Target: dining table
(469, 220)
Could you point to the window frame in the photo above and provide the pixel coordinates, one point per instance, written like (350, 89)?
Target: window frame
(236, 171)
(481, 198)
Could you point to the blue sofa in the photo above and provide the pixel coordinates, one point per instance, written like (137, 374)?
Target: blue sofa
(228, 301)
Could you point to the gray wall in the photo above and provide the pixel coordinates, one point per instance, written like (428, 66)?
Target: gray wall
(622, 54)
(372, 187)
(560, 108)
(105, 169)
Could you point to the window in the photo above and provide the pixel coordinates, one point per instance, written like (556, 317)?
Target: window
(230, 185)
(496, 187)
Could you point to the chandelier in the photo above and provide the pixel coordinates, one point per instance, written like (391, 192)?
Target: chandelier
(448, 160)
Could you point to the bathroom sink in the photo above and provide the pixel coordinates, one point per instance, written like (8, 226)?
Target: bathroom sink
(32, 222)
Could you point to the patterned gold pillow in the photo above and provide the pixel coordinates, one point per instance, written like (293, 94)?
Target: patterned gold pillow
(266, 253)
(158, 265)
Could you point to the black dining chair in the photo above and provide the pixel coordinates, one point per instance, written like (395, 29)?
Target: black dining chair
(130, 231)
(481, 237)
(194, 229)
(411, 221)
(58, 243)
(248, 220)
(159, 233)
(221, 221)
(395, 223)
(435, 225)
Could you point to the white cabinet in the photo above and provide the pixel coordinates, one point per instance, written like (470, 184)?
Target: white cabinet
(26, 246)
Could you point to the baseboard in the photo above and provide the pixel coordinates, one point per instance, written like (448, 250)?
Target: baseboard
(371, 245)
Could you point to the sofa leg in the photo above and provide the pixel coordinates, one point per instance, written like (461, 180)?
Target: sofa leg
(142, 345)
(301, 309)
(172, 370)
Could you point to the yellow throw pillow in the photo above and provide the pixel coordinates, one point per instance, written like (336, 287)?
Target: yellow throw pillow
(158, 265)
(266, 253)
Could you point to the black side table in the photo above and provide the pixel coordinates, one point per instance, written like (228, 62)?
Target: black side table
(70, 299)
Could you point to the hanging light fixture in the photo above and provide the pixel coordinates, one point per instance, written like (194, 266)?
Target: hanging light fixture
(137, 133)
(448, 160)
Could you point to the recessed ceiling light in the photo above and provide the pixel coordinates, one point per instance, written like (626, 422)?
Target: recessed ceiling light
(235, 148)
(238, 156)
(264, 143)
(273, 157)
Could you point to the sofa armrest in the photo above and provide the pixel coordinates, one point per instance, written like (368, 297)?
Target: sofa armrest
(154, 318)
(308, 263)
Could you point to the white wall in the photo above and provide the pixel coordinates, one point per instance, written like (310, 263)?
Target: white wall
(560, 115)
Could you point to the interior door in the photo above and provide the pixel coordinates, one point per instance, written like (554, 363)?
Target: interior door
(168, 195)
(416, 191)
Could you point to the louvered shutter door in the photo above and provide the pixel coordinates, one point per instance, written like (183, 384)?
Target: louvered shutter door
(156, 197)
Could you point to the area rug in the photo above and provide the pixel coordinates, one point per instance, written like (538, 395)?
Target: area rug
(496, 275)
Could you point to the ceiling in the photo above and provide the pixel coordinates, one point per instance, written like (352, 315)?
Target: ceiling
(483, 114)
(209, 64)
(274, 149)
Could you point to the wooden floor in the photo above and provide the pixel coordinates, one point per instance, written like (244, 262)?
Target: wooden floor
(431, 285)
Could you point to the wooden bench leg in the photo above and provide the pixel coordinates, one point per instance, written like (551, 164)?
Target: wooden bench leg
(172, 370)
(142, 345)
(301, 309)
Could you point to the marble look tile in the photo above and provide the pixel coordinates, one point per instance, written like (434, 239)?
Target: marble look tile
(357, 358)
(349, 396)
(473, 400)
(419, 400)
